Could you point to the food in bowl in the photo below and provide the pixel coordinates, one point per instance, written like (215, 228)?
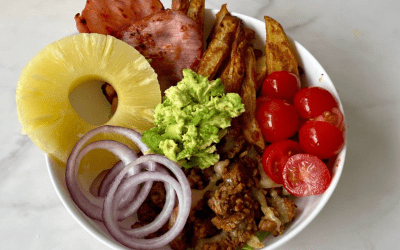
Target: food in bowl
(235, 199)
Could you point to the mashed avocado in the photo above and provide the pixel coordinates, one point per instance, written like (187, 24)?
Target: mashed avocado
(191, 120)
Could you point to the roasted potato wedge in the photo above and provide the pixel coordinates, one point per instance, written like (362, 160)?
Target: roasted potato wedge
(251, 129)
(261, 71)
(196, 12)
(233, 74)
(219, 48)
(217, 23)
(280, 55)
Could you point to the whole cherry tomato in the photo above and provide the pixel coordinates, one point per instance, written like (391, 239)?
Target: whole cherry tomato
(321, 139)
(305, 174)
(275, 156)
(313, 101)
(281, 85)
(277, 119)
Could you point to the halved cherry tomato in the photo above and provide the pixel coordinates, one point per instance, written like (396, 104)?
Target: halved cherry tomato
(275, 157)
(305, 174)
(281, 85)
(277, 119)
(334, 117)
(313, 101)
(321, 139)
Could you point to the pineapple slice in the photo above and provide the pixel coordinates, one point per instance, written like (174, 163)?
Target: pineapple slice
(43, 105)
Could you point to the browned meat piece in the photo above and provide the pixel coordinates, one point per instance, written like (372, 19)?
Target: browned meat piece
(251, 129)
(180, 242)
(233, 142)
(196, 179)
(268, 225)
(153, 204)
(180, 5)
(147, 212)
(234, 207)
(111, 16)
(171, 40)
(210, 246)
(157, 194)
(285, 207)
(238, 173)
(202, 228)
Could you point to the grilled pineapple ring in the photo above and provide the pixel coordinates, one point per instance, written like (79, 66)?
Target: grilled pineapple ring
(43, 106)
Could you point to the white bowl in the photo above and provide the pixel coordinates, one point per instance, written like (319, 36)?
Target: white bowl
(307, 207)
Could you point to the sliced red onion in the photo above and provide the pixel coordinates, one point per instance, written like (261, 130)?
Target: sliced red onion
(89, 204)
(120, 189)
(141, 197)
(164, 215)
(182, 190)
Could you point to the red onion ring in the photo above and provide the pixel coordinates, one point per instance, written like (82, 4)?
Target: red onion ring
(140, 198)
(121, 185)
(184, 196)
(89, 204)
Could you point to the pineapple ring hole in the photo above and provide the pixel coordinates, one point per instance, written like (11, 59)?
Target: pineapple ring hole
(92, 101)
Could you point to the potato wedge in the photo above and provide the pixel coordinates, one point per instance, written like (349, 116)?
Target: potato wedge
(261, 71)
(250, 126)
(180, 5)
(217, 23)
(233, 74)
(279, 52)
(196, 12)
(250, 34)
(219, 48)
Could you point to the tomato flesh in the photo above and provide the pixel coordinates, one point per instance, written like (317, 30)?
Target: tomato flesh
(275, 157)
(305, 174)
(281, 85)
(313, 101)
(321, 139)
(277, 119)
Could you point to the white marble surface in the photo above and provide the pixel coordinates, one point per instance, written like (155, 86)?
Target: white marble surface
(358, 44)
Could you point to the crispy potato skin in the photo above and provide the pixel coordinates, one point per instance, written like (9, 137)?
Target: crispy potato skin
(251, 128)
(233, 74)
(196, 12)
(280, 55)
(219, 48)
(217, 23)
(261, 71)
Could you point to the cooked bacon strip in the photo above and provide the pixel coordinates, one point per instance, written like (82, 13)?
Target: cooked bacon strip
(180, 5)
(251, 129)
(111, 16)
(171, 39)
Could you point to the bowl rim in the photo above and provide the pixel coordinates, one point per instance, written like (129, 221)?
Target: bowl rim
(285, 237)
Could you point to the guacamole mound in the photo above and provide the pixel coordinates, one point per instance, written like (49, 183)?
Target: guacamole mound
(191, 120)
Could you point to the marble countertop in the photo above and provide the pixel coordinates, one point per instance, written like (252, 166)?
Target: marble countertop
(357, 42)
